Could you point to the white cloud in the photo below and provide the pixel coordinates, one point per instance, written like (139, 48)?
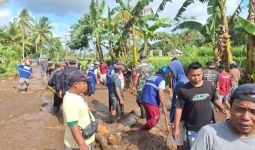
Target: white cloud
(57, 7)
(5, 16)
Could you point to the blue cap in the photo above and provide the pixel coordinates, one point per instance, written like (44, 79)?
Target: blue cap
(164, 69)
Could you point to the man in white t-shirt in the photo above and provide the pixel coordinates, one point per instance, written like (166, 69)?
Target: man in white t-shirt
(76, 114)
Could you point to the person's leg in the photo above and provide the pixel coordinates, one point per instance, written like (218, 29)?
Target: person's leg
(110, 101)
(139, 102)
(191, 136)
(93, 88)
(152, 119)
(114, 104)
(226, 99)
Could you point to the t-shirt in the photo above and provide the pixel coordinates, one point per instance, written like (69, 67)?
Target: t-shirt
(195, 102)
(75, 109)
(219, 137)
(114, 83)
(211, 76)
(224, 83)
(103, 68)
(144, 71)
(235, 74)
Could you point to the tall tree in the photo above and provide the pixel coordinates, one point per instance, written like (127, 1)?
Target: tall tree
(25, 22)
(42, 33)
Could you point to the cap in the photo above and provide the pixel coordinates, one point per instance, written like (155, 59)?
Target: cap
(222, 66)
(72, 61)
(76, 76)
(244, 92)
(97, 63)
(164, 69)
(234, 63)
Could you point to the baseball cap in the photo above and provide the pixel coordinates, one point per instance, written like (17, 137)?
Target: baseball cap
(76, 76)
(244, 92)
(222, 66)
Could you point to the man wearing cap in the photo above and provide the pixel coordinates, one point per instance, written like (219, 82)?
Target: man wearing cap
(24, 75)
(237, 133)
(76, 114)
(152, 96)
(211, 75)
(140, 73)
(115, 94)
(224, 85)
(235, 74)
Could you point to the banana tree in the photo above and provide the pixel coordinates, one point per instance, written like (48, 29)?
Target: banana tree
(249, 26)
(222, 46)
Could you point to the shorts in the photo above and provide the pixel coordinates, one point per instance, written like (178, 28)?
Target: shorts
(224, 98)
(115, 105)
(182, 137)
(103, 78)
(23, 81)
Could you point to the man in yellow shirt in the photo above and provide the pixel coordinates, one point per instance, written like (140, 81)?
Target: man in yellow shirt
(76, 114)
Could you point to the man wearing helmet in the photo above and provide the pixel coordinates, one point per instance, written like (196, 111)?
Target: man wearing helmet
(152, 95)
(141, 72)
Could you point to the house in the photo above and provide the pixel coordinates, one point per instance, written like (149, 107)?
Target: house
(175, 53)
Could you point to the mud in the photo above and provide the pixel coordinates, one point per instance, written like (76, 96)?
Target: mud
(27, 122)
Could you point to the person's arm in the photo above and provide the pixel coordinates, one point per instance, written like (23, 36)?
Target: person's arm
(78, 137)
(177, 119)
(161, 98)
(119, 95)
(219, 105)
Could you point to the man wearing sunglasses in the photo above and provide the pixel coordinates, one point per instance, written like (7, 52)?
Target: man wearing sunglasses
(236, 133)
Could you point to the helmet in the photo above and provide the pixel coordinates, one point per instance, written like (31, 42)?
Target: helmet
(164, 69)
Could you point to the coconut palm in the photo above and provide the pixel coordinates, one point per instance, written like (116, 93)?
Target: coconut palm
(42, 33)
(25, 22)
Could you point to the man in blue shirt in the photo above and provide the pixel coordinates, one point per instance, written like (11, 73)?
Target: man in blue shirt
(152, 96)
(24, 75)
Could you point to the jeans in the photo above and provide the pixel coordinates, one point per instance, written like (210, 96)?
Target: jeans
(191, 136)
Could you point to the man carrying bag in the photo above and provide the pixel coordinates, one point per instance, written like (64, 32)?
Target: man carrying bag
(80, 133)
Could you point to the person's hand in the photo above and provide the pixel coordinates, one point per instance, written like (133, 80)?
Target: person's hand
(134, 90)
(122, 102)
(176, 133)
(60, 94)
(83, 147)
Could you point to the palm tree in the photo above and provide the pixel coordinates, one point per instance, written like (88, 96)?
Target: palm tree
(42, 33)
(14, 36)
(25, 22)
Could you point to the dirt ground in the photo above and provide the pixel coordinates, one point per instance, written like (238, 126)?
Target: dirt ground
(27, 122)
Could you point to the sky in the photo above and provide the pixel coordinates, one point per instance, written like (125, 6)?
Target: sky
(64, 13)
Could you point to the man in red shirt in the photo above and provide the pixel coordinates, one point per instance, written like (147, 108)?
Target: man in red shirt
(224, 85)
(103, 71)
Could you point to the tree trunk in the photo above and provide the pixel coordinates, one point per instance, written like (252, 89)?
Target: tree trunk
(223, 52)
(250, 45)
(145, 45)
(98, 49)
(134, 48)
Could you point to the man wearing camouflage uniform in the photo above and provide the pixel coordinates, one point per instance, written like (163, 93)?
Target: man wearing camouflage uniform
(141, 72)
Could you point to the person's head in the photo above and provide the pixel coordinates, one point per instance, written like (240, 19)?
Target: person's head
(174, 59)
(27, 63)
(195, 73)
(210, 65)
(77, 82)
(57, 66)
(221, 68)
(143, 56)
(117, 69)
(164, 70)
(233, 65)
(72, 61)
(122, 64)
(242, 110)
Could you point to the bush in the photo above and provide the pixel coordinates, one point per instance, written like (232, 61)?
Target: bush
(2, 70)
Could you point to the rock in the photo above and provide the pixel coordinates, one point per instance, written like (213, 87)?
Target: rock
(114, 138)
(103, 130)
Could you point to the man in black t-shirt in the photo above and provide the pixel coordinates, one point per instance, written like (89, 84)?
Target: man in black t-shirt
(193, 104)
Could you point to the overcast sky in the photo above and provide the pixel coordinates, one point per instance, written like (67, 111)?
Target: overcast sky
(63, 13)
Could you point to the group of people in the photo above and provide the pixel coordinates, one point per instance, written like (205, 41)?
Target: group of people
(194, 96)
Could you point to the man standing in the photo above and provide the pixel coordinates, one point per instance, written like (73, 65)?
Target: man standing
(211, 75)
(237, 133)
(103, 70)
(92, 80)
(76, 114)
(193, 104)
(142, 71)
(235, 74)
(115, 94)
(24, 75)
(152, 96)
(224, 85)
